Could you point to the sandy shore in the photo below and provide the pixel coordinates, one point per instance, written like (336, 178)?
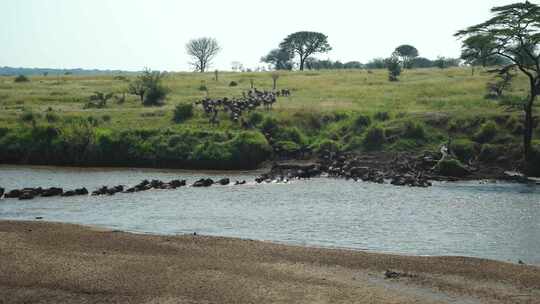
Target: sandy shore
(61, 263)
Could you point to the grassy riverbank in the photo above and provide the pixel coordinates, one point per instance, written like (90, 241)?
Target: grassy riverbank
(44, 121)
(60, 263)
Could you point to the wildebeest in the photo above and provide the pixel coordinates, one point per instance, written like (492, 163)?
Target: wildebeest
(235, 107)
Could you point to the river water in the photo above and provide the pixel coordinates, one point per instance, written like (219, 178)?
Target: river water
(489, 220)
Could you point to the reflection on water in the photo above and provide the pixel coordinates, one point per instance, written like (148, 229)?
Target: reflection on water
(495, 220)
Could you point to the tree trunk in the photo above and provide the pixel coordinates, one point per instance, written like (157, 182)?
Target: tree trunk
(202, 66)
(528, 132)
(302, 60)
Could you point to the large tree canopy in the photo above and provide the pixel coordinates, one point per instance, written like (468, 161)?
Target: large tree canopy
(477, 49)
(202, 51)
(305, 44)
(514, 33)
(406, 53)
(280, 59)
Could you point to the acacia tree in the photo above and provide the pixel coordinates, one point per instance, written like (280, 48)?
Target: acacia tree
(514, 33)
(406, 54)
(202, 51)
(280, 59)
(148, 86)
(305, 44)
(393, 65)
(476, 50)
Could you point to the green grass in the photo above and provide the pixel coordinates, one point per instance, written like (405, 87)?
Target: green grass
(418, 112)
(451, 91)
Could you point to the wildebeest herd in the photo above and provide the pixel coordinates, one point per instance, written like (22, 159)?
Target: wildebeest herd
(235, 107)
(145, 185)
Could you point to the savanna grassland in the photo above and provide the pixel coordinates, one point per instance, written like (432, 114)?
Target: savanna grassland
(45, 120)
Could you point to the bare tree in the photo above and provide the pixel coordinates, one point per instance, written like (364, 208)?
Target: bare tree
(202, 51)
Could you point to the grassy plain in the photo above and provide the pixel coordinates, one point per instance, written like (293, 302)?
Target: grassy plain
(419, 112)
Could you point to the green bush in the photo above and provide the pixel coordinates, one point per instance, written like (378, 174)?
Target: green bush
(28, 116)
(290, 134)
(452, 167)
(464, 149)
(21, 78)
(354, 143)
(269, 125)
(182, 112)
(325, 146)
(287, 147)
(374, 138)
(255, 118)
(155, 95)
(486, 133)
(490, 152)
(414, 130)
(361, 122)
(51, 117)
(249, 149)
(211, 154)
(233, 83)
(106, 118)
(149, 87)
(382, 116)
(515, 125)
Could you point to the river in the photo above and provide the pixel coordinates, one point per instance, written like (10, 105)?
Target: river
(489, 220)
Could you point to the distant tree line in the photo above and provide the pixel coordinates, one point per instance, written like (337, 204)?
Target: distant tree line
(12, 71)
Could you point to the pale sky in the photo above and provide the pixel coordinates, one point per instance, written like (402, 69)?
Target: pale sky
(133, 34)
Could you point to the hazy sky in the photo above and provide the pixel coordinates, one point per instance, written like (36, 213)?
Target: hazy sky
(132, 34)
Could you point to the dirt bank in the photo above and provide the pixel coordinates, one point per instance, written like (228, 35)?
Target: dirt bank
(61, 263)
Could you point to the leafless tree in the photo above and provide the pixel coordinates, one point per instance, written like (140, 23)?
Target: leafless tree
(202, 51)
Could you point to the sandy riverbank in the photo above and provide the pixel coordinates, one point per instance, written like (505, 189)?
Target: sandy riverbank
(61, 263)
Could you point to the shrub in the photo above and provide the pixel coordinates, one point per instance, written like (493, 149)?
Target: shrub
(290, 134)
(28, 116)
(255, 118)
(464, 149)
(452, 167)
(361, 122)
(249, 149)
(491, 153)
(51, 117)
(514, 125)
(382, 116)
(374, 138)
(286, 147)
(233, 83)
(98, 100)
(155, 95)
(326, 146)
(269, 125)
(354, 143)
(182, 112)
(394, 68)
(414, 130)
(486, 133)
(148, 86)
(106, 118)
(21, 78)
(93, 121)
(211, 154)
